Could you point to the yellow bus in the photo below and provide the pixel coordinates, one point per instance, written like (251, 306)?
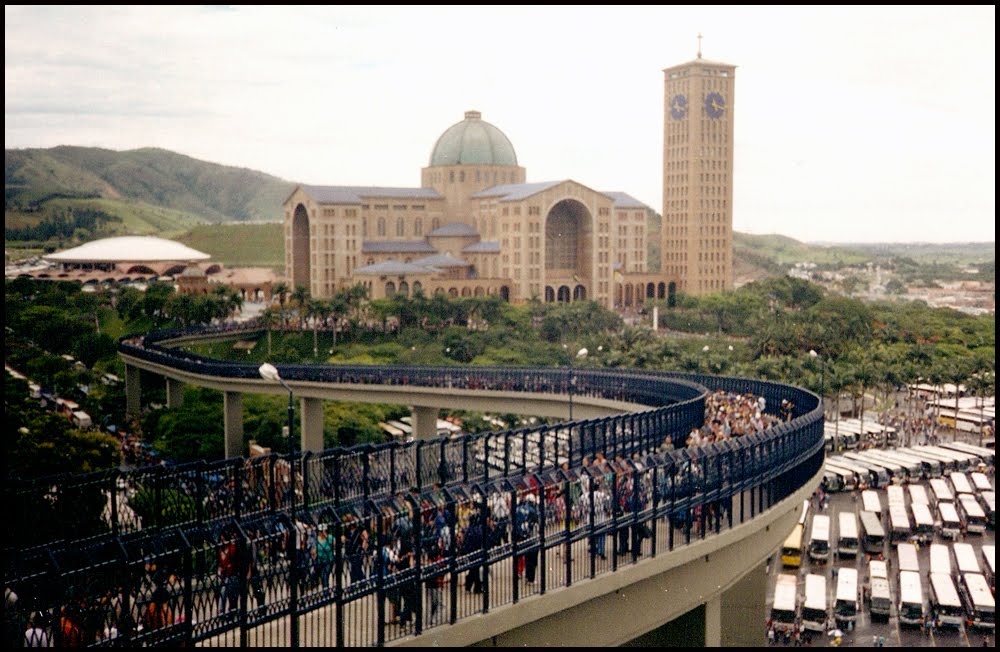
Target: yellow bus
(791, 550)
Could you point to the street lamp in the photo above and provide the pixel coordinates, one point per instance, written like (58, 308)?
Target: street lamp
(582, 353)
(269, 372)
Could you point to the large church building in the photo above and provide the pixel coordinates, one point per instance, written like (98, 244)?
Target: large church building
(476, 227)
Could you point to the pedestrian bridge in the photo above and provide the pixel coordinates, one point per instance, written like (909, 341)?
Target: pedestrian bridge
(684, 533)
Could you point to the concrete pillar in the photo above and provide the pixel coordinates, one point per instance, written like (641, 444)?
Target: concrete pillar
(232, 416)
(713, 622)
(744, 609)
(133, 392)
(175, 393)
(425, 422)
(311, 424)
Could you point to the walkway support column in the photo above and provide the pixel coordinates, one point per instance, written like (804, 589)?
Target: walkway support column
(713, 622)
(312, 424)
(425, 422)
(133, 392)
(175, 393)
(232, 416)
(743, 611)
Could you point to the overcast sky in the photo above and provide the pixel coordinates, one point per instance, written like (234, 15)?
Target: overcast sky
(852, 124)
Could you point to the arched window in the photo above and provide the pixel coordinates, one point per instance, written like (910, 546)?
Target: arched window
(418, 226)
(390, 289)
(381, 227)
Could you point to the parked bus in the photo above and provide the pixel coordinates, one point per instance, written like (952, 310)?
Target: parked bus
(911, 598)
(791, 550)
(951, 522)
(847, 534)
(832, 482)
(879, 594)
(948, 463)
(848, 478)
(988, 499)
(980, 482)
(900, 528)
(940, 559)
(870, 501)
(980, 603)
(874, 475)
(987, 455)
(964, 461)
(845, 606)
(915, 470)
(965, 558)
(940, 491)
(960, 483)
(897, 472)
(975, 517)
(873, 534)
(923, 522)
(908, 560)
(784, 611)
(896, 495)
(819, 538)
(989, 564)
(918, 494)
(815, 614)
(935, 467)
(945, 603)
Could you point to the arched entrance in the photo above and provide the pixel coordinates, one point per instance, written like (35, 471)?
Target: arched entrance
(301, 272)
(579, 293)
(569, 248)
(671, 295)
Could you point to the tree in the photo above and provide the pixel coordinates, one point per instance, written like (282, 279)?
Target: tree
(300, 297)
(281, 290)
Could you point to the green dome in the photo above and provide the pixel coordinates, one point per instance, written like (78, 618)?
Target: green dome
(473, 142)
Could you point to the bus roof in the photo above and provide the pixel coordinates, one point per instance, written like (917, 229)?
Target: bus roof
(785, 592)
(847, 584)
(979, 591)
(820, 528)
(965, 558)
(848, 524)
(872, 524)
(878, 568)
(910, 588)
(940, 558)
(815, 591)
(870, 501)
(948, 512)
(918, 494)
(944, 590)
(794, 538)
(908, 560)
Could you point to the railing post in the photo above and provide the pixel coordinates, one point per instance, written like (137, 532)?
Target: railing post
(567, 547)
(515, 545)
(338, 582)
(380, 581)
(293, 589)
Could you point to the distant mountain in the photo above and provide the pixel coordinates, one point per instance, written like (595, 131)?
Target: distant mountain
(138, 191)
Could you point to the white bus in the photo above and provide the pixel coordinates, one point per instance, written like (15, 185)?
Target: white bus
(965, 558)
(975, 517)
(908, 560)
(939, 491)
(847, 534)
(934, 467)
(945, 603)
(864, 474)
(873, 534)
(988, 499)
(980, 604)
(918, 494)
(940, 558)
(948, 463)
(911, 598)
(870, 501)
(848, 478)
(960, 482)
(900, 528)
(845, 607)
(989, 564)
(815, 614)
(878, 475)
(914, 467)
(923, 522)
(896, 471)
(987, 455)
(819, 538)
(896, 495)
(964, 461)
(784, 609)
(951, 522)
(879, 594)
(980, 482)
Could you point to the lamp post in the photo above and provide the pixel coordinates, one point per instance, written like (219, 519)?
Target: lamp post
(269, 372)
(582, 353)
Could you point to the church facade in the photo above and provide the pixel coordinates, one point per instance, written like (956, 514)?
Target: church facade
(476, 227)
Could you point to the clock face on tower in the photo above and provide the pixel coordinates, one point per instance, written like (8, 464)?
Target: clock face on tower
(715, 105)
(678, 107)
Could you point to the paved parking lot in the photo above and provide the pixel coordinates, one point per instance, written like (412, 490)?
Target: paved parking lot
(865, 633)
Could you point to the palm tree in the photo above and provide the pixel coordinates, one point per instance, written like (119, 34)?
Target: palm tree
(281, 290)
(271, 318)
(338, 310)
(317, 310)
(300, 296)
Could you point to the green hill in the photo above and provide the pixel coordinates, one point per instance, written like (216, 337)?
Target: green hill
(240, 245)
(142, 191)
